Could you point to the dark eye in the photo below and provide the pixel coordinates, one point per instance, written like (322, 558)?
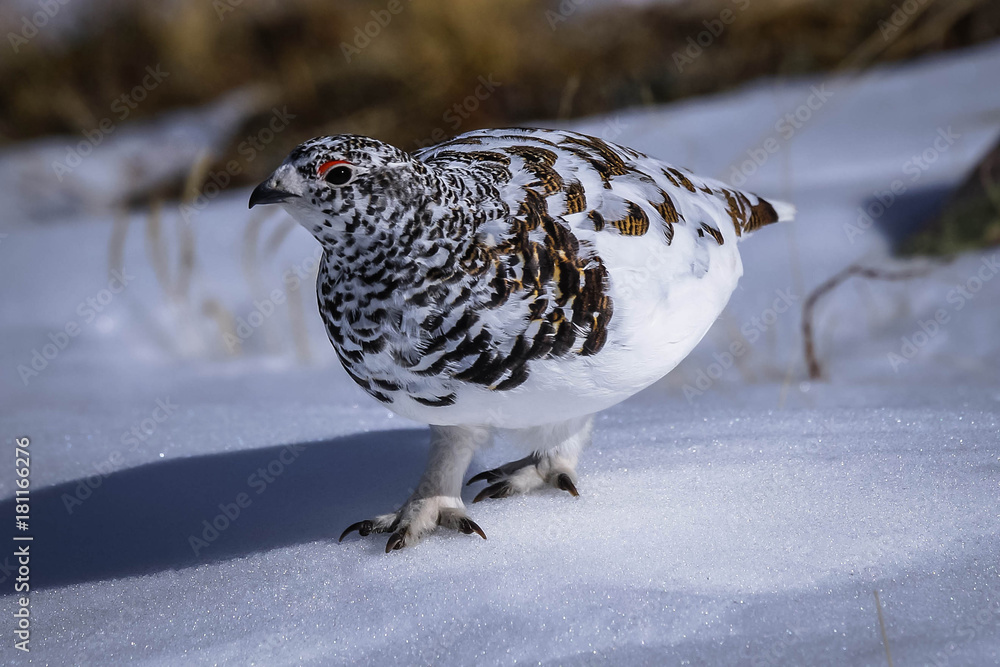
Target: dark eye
(338, 175)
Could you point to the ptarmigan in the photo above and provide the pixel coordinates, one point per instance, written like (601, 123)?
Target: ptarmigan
(509, 279)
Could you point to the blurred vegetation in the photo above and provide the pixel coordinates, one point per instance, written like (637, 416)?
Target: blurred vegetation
(402, 80)
(971, 216)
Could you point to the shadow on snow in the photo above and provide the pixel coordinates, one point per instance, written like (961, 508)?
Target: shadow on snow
(156, 516)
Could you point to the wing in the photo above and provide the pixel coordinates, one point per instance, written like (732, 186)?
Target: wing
(610, 185)
(577, 211)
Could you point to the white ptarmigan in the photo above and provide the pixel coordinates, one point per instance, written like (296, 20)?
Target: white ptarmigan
(510, 279)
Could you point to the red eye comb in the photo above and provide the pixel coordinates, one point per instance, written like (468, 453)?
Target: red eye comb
(327, 166)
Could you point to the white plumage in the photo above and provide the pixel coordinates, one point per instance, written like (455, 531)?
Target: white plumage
(510, 279)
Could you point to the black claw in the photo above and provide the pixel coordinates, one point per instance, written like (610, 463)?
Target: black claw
(364, 528)
(505, 470)
(395, 542)
(485, 476)
(468, 526)
(566, 484)
(498, 490)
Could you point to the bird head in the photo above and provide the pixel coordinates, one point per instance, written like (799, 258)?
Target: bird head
(345, 185)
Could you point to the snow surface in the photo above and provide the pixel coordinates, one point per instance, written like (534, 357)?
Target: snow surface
(734, 513)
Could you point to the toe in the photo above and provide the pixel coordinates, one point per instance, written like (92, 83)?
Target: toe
(565, 482)
(498, 490)
(380, 524)
(415, 520)
(485, 476)
(506, 470)
(363, 527)
(396, 541)
(457, 520)
(468, 526)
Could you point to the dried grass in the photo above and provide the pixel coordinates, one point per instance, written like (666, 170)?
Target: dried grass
(430, 55)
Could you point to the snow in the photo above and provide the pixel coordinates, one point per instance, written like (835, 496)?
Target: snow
(734, 513)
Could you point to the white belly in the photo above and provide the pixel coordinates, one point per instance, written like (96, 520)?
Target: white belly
(662, 309)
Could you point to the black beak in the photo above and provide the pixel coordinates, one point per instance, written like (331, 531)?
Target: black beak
(265, 194)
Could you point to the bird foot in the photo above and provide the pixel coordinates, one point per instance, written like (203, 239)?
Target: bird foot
(532, 472)
(417, 518)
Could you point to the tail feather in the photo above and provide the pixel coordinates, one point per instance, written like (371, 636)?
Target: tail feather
(762, 213)
(785, 211)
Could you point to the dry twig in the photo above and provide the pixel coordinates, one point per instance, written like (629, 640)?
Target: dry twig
(815, 370)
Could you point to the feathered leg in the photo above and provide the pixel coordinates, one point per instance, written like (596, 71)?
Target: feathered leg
(553, 463)
(437, 500)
